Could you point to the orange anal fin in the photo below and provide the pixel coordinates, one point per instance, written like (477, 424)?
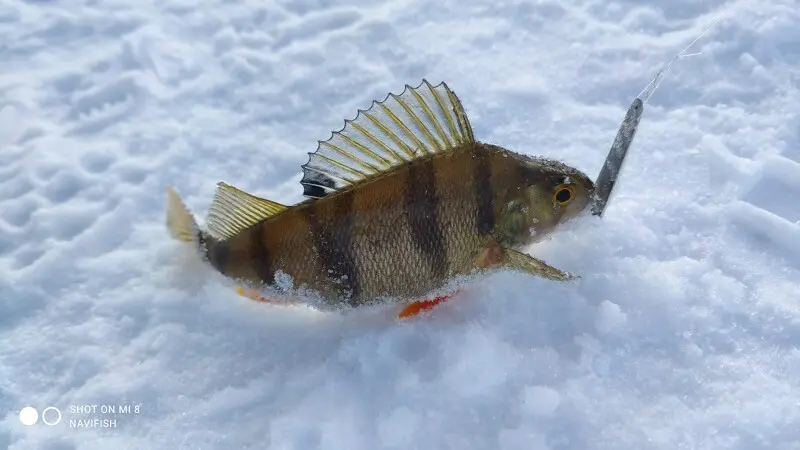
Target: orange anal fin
(253, 294)
(415, 308)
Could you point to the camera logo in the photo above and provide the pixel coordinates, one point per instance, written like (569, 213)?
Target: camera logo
(51, 416)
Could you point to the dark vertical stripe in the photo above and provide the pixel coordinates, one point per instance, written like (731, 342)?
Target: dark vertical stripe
(421, 204)
(333, 242)
(217, 252)
(484, 195)
(259, 254)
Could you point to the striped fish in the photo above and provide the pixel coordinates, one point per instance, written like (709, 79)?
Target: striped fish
(399, 202)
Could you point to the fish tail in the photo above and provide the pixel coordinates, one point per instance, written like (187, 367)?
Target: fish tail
(181, 224)
(183, 227)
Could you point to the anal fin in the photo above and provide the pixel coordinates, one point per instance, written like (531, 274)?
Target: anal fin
(255, 295)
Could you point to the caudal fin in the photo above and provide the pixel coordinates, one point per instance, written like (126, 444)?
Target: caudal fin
(180, 222)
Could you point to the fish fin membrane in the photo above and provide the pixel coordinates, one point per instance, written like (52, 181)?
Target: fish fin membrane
(180, 222)
(234, 210)
(517, 260)
(420, 121)
(418, 307)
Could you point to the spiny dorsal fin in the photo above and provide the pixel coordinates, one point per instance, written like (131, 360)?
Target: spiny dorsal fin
(234, 210)
(422, 120)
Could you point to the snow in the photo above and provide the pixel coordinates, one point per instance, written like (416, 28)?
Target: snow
(682, 332)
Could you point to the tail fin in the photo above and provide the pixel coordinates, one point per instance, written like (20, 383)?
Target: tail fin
(180, 222)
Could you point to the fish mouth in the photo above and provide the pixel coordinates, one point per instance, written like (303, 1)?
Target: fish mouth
(609, 173)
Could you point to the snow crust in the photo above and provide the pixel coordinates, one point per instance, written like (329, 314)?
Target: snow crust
(683, 331)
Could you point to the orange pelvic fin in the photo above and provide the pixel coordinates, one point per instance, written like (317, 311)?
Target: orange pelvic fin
(418, 307)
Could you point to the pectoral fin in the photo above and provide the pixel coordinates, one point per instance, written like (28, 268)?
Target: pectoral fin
(513, 259)
(494, 255)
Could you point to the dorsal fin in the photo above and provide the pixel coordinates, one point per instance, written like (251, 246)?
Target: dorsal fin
(234, 210)
(401, 128)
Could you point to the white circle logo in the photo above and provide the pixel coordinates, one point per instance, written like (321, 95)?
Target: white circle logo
(54, 422)
(28, 415)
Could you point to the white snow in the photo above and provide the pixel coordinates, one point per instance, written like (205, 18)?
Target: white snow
(683, 331)
(540, 400)
(609, 318)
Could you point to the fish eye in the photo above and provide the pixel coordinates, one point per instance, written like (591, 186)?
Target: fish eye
(563, 194)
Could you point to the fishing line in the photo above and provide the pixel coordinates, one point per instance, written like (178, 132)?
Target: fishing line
(609, 173)
(653, 85)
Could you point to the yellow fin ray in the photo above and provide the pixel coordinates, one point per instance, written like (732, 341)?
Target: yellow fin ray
(234, 210)
(422, 120)
(517, 260)
(180, 222)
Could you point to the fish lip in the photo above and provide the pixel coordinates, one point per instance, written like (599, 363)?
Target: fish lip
(609, 172)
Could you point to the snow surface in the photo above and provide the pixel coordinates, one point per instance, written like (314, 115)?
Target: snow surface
(682, 333)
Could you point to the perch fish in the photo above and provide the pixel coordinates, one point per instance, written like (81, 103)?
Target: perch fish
(399, 201)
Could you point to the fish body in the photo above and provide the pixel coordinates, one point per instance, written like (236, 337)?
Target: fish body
(401, 200)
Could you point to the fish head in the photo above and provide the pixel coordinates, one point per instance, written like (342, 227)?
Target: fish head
(548, 194)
